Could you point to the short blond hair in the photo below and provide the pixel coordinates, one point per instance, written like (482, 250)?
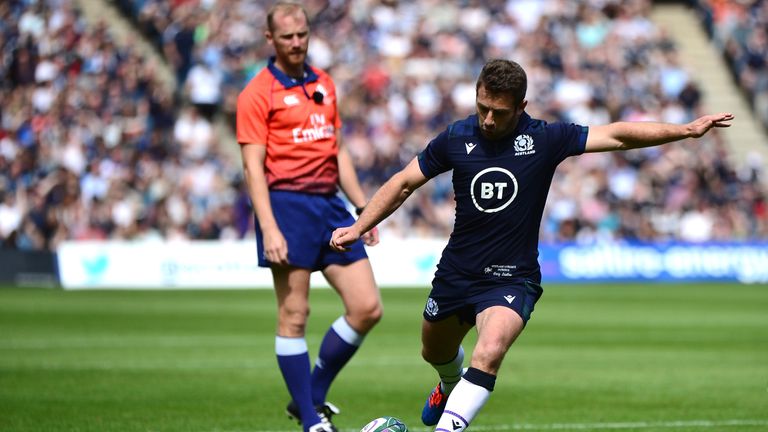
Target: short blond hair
(287, 7)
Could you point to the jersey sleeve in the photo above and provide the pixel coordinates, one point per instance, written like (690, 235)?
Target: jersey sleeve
(572, 139)
(252, 114)
(433, 160)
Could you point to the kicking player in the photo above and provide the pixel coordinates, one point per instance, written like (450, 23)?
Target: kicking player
(503, 162)
(288, 127)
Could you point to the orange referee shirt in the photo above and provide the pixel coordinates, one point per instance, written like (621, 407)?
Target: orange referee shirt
(297, 125)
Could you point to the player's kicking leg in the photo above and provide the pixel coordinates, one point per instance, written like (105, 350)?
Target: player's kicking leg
(497, 329)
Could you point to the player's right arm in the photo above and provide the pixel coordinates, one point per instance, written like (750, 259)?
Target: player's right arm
(390, 196)
(275, 246)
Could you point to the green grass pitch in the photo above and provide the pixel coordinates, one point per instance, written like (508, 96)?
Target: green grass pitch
(637, 357)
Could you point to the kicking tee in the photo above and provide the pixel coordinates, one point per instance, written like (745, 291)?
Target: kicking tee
(297, 120)
(500, 189)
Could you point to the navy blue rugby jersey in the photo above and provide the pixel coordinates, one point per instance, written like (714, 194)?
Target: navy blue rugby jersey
(500, 188)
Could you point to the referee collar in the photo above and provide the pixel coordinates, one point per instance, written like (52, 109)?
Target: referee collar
(288, 82)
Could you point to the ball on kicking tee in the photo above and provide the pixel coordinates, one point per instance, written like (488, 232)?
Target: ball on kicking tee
(385, 424)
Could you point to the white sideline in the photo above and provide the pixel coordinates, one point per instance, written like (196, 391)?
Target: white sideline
(696, 424)
(689, 424)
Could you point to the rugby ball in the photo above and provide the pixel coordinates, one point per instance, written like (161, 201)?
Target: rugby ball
(385, 424)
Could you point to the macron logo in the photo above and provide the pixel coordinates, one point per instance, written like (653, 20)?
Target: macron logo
(470, 146)
(510, 298)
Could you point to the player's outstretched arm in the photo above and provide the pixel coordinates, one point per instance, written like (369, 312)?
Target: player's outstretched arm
(630, 135)
(385, 201)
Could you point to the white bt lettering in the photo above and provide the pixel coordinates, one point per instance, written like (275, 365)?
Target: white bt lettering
(480, 190)
(488, 190)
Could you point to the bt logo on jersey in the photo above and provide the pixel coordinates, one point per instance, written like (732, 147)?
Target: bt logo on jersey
(488, 190)
(493, 189)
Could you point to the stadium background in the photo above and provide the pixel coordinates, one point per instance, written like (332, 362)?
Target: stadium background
(117, 152)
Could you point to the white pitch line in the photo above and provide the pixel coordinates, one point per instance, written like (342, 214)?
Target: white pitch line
(677, 424)
(697, 424)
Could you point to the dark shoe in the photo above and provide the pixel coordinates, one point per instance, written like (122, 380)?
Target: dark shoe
(324, 411)
(434, 406)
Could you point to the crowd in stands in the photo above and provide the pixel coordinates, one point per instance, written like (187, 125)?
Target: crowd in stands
(740, 30)
(92, 146)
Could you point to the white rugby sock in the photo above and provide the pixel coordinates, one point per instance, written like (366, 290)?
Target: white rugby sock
(450, 373)
(465, 402)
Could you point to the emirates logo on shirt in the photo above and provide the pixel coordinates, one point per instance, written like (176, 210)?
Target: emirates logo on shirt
(321, 129)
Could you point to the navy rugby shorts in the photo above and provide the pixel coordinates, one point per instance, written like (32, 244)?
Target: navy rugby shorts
(307, 221)
(468, 297)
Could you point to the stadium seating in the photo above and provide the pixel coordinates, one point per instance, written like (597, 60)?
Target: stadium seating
(739, 30)
(92, 148)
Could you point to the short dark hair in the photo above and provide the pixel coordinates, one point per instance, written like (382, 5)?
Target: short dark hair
(504, 76)
(284, 6)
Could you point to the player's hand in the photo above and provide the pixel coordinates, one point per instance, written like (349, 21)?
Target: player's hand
(371, 238)
(343, 237)
(275, 247)
(703, 124)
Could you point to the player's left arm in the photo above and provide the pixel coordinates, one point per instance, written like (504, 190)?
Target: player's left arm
(631, 135)
(350, 185)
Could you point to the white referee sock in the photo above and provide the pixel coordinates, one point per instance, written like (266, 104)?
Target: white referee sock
(465, 401)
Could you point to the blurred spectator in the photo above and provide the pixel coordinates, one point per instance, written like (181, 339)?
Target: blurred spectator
(740, 29)
(203, 88)
(87, 144)
(194, 133)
